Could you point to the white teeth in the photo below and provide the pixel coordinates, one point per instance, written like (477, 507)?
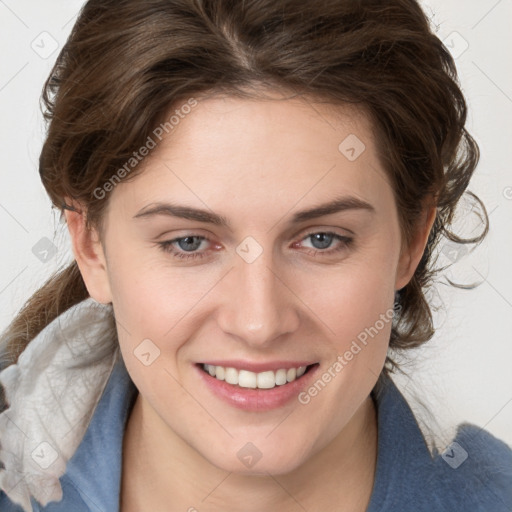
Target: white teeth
(231, 376)
(280, 377)
(263, 380)
(219, 372)
(247, 379)
(266, 380)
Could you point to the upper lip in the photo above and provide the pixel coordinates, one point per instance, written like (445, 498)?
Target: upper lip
(258, 367)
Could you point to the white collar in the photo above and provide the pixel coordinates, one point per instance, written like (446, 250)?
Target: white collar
(52, 392)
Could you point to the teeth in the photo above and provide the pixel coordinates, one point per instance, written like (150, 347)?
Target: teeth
(266, 380)
(262, 380)
(219, 372)
(247, 379)
(280, 377)
(291, 374)
(230, 375)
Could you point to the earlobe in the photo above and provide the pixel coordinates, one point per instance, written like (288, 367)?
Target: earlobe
(411, 256)
(89, 254)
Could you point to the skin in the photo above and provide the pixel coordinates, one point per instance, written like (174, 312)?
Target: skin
(256, 162)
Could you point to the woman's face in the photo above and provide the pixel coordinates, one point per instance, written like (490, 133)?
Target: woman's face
(221, 253)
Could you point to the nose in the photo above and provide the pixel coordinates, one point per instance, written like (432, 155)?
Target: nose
(258, 307)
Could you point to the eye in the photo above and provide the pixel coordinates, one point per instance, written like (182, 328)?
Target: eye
(187, 247)
(188, 244)
(322, 240)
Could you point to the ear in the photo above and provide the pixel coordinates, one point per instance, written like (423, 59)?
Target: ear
(89, 253)
(410, 256)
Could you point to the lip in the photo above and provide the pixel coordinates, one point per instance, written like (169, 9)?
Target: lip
(256, 400)
(258, 367)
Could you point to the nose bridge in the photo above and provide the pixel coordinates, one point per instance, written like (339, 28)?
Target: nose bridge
(259, 307)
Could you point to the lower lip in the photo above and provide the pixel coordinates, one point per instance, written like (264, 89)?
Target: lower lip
(259, 400)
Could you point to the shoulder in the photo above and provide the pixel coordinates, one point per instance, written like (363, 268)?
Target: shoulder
(475, 471)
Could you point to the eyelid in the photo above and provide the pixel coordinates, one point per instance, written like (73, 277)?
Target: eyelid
(327, 229)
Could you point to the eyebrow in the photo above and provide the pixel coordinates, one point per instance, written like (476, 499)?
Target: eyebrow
(185, 212)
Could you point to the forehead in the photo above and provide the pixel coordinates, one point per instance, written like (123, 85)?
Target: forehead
(282, 125)
(229, 152)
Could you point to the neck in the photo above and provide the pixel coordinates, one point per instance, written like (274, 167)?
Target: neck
(160, 469)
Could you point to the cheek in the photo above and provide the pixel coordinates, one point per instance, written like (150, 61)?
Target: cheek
(352, 297)
(360, 321)
(146, 292)
(354, 305)
(158, 308)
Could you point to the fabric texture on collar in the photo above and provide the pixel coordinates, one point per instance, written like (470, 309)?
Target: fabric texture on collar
(52, 392)
(93, 478)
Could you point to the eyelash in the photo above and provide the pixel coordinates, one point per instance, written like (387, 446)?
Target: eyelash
(166, 246)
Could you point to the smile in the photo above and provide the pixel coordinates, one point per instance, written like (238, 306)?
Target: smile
(263, 380)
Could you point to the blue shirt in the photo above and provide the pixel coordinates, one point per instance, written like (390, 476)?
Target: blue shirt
(473, 475)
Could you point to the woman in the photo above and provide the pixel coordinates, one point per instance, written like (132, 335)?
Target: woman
(254, 192)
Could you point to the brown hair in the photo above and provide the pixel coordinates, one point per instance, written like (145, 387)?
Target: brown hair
(127, 63)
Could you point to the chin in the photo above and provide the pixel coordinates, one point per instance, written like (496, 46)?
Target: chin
(249, 460)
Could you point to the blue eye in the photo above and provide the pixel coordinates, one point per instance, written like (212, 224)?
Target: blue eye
(185, 244)
(186, 248)
(324, 239)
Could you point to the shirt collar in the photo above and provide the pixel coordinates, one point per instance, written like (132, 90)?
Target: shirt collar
(95, 469)
(402, 451)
